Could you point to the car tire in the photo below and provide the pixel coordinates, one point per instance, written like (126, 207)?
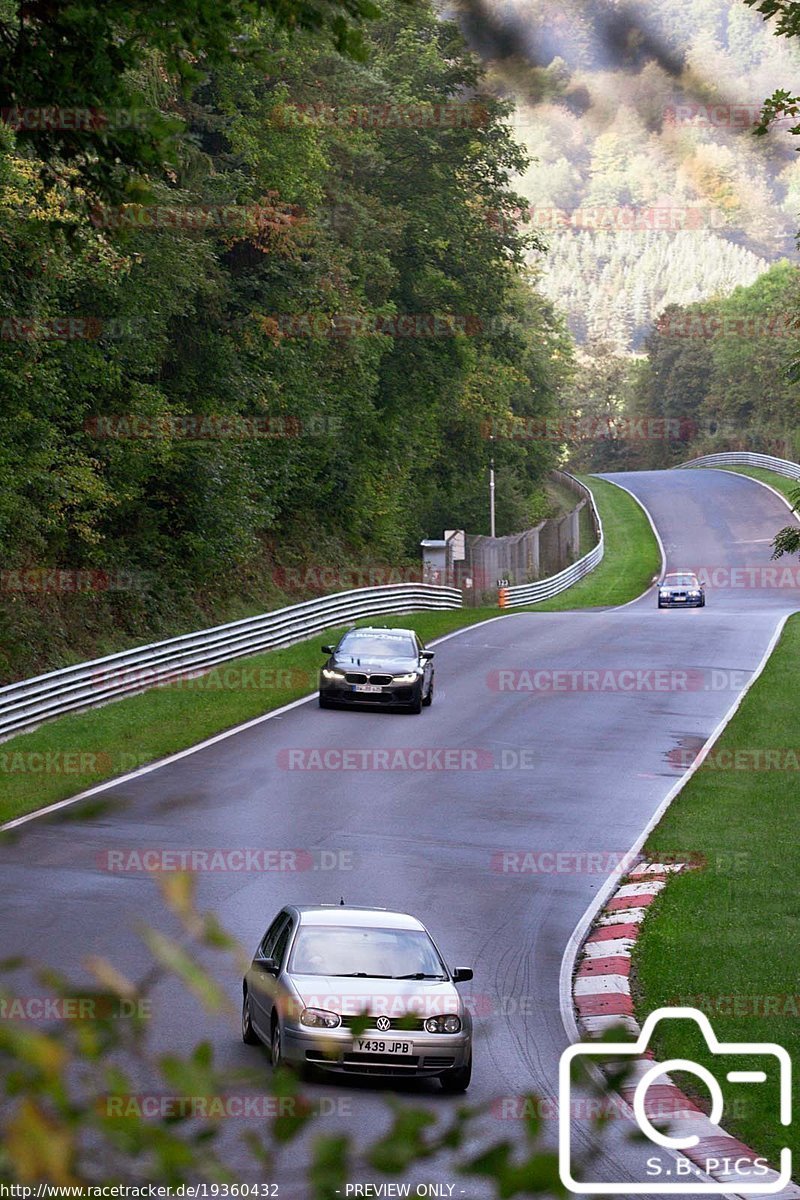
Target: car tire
(660, 605)
(416, 704)
(428, 700)
(703, 602)
(276, 1044)
(323, 703)
(457, 1080)
(249, 1035)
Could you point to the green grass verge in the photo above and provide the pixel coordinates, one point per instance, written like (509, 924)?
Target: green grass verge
(724, 938)
(631, 559)
(779, 482)
(586, 531)
(74, 752)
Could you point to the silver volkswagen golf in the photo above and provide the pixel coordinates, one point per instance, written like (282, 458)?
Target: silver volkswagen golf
(357, 991)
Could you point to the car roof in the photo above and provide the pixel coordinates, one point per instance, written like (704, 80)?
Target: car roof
(381, 630)
(352, 914)
(672, 574)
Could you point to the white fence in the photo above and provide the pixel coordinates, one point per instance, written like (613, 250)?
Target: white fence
(740, 458)
(26, 704)
(543, 589)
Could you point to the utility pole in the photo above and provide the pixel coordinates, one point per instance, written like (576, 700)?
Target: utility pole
(491, 489)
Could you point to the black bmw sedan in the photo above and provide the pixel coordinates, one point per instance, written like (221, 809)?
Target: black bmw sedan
(377, 666)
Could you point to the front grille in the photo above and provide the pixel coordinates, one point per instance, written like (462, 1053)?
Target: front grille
(442, 1060)
(362, 677)
(381, 1062)
(407, 1024)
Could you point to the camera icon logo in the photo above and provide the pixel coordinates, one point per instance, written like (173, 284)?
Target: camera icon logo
(752, 1176)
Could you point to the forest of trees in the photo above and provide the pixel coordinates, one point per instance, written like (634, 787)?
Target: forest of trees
(718, 375)
(284, 232)
(647, 182)
(274, 271)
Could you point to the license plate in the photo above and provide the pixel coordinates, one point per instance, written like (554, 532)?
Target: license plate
(367, 687)
(679, 599)
(378, 1046)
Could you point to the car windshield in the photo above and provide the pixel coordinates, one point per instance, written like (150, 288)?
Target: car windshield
(360, 645)
(372, 953)
(681, 581)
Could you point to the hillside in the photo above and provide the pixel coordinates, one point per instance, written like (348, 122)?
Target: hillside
(648, 183)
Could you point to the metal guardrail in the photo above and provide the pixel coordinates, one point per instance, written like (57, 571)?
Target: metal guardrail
(28, 703)
(543, 589)
(741, 458)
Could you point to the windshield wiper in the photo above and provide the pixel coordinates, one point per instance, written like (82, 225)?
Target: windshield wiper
(360, 975)
(419, 975)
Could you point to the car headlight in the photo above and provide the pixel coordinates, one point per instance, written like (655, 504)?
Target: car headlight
(332, 675)
(411, 677)
(320, 1018)
(694, 593)
(664, 593)
(444, 1024)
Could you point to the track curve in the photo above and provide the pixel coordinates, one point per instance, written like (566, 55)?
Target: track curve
(546, 770)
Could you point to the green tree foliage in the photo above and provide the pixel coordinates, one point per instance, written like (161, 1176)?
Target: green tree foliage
(45, 61)
(320, 248)
(717, 376)
(783, 105)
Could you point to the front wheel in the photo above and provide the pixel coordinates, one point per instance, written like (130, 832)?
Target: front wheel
(457, 1080)
(428, 700)
(276, 1045)
(249, 1035)
(703, 602)
(323, 703)
(416, 704)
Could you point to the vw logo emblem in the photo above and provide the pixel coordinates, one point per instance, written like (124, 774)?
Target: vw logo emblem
(383, 1023)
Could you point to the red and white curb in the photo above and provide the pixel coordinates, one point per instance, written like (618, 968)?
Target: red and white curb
(602, 999)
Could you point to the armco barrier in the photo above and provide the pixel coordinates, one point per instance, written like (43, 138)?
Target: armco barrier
(741, 458)
(543, 589)
(26, 704)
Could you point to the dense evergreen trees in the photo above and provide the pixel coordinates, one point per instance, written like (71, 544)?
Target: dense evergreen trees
(648, 183)
(716, 376)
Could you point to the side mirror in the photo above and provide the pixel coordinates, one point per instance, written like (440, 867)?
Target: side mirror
(427, 655)
(462, 975)
(326, 649)
(267, 964)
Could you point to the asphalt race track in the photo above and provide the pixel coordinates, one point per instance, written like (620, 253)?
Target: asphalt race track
(570, 770)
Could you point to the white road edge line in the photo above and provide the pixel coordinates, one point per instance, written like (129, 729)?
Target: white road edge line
(611, 884)
(212, 741)
(656, 534)
(587, 920)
